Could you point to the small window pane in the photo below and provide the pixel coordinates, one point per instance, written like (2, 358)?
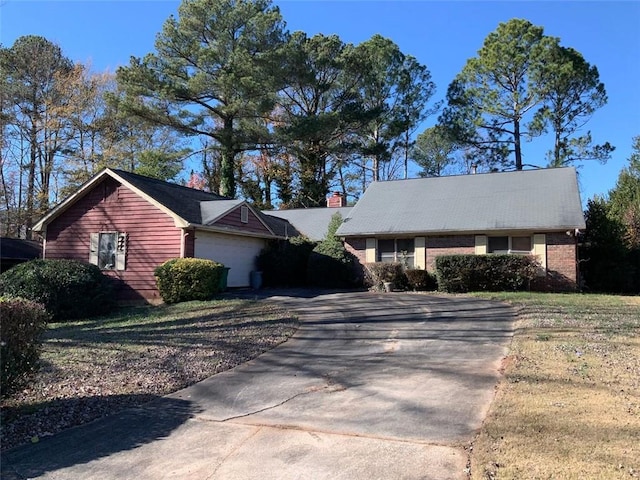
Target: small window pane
(405, 245)
(387, 258)
(386, 246)
(521, 244)
(107, 251)
(498, 244)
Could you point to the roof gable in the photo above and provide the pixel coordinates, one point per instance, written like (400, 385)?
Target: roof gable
(187, 206)
(545, 199)
(178, 199)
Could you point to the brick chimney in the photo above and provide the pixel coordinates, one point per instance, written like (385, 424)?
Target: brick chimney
(336, 200)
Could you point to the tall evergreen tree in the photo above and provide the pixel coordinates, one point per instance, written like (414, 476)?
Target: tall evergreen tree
(434, 151)
(318, 111)
(624, 198)
(395, 89)
(489, 99)
(572, 93)
(214, 72)
(520, 84)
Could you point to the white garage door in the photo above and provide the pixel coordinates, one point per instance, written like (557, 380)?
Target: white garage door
(237, 253)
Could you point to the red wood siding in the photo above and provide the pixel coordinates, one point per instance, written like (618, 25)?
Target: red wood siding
(152, 236)
(232, 219)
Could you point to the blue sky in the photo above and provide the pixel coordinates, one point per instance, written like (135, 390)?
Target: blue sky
(441, 35)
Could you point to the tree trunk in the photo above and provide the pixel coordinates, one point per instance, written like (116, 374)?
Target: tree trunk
(516, 143)
(31, 179)
(227, 171)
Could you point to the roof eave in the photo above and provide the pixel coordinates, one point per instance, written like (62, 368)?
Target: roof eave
(536, 228)
(233, 231)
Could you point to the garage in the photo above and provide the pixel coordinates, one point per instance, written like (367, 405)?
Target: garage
(236, 252)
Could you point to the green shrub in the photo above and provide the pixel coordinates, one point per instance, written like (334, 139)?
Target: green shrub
(420, 280)
(22, 322)
(330, 265)
(184, 279)
(284, 262)
(68, 289)
(376, 274)
(494, 273)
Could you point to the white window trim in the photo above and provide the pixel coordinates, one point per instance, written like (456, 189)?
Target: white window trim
(397, 254)
(510, 250)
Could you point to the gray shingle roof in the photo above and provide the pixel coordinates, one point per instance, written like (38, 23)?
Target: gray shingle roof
(310, 222)
(183, 201)
(18, 249)
(545, 199)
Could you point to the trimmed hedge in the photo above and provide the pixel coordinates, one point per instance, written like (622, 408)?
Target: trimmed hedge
(494, 273)
(184, 279)
(68, 289)
(284, 262)
(22, 322)
(421, 280)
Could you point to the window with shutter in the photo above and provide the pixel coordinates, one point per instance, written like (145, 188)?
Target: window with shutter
(108, 250)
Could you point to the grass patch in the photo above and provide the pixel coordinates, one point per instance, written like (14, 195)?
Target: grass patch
(569, 404)
(92, 368)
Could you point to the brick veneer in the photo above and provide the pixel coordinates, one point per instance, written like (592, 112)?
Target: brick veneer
(561, 263)
(561, 256)
(357, 247)
(448, 245)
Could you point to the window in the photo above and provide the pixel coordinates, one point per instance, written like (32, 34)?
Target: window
(515, 245)
(108, 250)
(401, 250)
(244, 214)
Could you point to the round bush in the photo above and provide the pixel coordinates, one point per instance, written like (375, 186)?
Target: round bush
(183, 279)
(21, 325)
(68, 289)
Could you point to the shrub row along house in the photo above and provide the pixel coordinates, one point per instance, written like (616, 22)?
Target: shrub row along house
(128, 224)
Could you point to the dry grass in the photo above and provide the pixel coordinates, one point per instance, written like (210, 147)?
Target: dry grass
(96, 367)
(569, 404)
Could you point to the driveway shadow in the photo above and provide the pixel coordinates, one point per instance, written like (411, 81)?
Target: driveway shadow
(123, 431)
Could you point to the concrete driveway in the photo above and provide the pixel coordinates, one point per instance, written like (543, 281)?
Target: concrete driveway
(372, 386)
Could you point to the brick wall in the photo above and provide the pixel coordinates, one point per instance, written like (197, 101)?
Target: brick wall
(561, 256)
(561, 263)
(357, 247)
(448, 245)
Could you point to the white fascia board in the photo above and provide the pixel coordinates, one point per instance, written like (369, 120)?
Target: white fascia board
(232, 231)
(178, 221)
(237, 204)
(60, 208)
